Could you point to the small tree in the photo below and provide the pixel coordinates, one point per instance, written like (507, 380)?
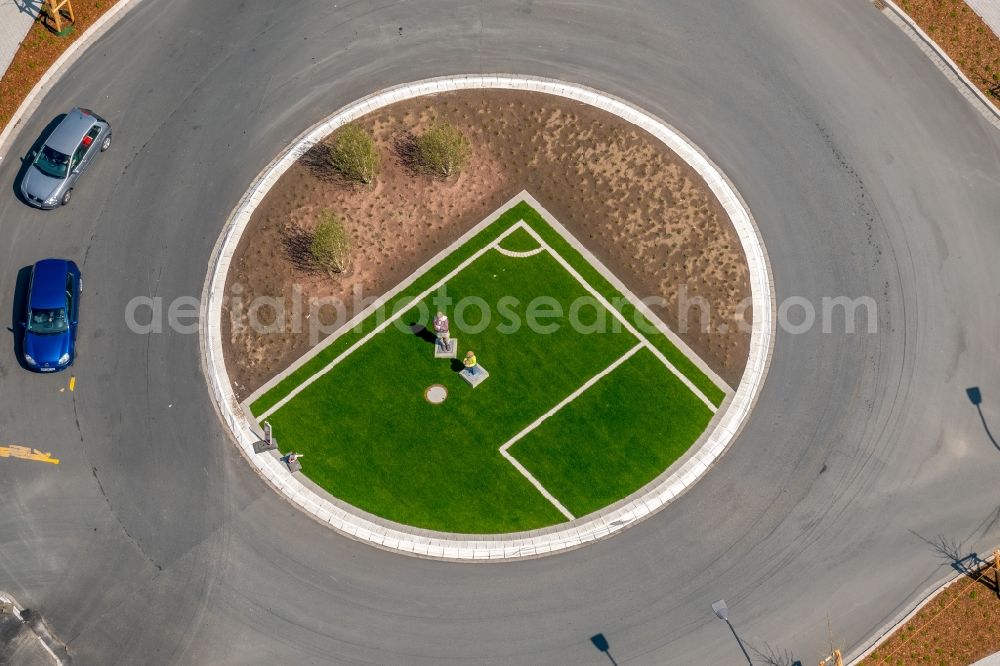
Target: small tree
(331, 244)
(443, 149)
(353, 154)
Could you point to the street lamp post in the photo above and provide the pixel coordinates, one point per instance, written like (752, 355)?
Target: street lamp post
(722, 612)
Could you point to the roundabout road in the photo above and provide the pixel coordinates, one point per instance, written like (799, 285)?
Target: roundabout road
(867, 173)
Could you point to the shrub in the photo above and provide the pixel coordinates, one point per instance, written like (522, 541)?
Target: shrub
(443, 150)
(331, 244)
(353, 154)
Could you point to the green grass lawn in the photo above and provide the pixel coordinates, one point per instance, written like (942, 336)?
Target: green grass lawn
(372, 440)
(616, 437)
(519, 241)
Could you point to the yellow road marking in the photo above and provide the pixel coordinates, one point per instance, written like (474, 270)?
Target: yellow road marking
(72, 383)
(25, 453)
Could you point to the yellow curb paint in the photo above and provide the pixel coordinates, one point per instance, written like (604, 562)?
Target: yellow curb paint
(25, 453)
(72, 383)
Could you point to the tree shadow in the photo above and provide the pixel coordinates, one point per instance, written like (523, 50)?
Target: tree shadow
(297, 243)
(404, 147)
(773, 656)
(970, 565)
(27, 159)
(976, 398)
(317, 161)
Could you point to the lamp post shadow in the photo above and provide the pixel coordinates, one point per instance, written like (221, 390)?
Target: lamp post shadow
(976, 398)
(601, 643)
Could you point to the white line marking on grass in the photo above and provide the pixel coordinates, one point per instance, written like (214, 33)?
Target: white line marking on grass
(519, 255)
(537, 484)
(382, 300)
(616, 283)
(620, 317)
(544, 417)
(494, 245)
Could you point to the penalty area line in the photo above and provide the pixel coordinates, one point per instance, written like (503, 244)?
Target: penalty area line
(544, 417)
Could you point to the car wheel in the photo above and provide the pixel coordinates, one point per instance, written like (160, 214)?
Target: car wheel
(66, 197)
(106, 143)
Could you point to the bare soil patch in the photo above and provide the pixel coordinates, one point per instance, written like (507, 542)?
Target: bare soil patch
(636, 205)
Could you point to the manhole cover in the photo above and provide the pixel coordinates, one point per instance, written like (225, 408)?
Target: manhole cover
(436, 394)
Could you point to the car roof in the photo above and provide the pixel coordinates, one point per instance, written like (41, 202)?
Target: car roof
(48, 284)
(70, 132)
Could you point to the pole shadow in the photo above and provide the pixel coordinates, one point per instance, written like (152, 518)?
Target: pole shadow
(602, 645)
(976, 398)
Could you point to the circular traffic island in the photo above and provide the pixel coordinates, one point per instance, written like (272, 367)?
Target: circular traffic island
(500, 320)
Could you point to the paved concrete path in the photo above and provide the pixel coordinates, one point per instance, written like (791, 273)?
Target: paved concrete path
(16, 17)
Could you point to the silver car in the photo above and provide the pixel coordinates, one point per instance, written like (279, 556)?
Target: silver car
(67, 152)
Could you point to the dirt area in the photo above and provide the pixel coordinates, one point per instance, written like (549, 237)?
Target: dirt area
(956, 628)
(633, 202)
(38, 51)
(963, 35)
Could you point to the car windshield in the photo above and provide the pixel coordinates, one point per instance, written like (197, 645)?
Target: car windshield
(45, 321)
(52, 163)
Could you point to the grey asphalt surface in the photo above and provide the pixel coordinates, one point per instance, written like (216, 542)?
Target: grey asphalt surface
(154, 542)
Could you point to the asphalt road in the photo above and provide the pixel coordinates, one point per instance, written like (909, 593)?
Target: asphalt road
(154, 542)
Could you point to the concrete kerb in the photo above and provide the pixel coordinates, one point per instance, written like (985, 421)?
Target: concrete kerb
(72, 52)
(944, 62)
(439, 545)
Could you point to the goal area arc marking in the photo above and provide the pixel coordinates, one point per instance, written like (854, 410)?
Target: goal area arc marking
(492, 245)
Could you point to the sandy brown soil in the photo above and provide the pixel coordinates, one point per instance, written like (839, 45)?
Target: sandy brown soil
(632, 201)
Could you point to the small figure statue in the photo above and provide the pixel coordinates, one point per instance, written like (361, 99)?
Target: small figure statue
(470, 363)
(441, 331)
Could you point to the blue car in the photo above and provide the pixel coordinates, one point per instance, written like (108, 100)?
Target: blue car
(53, 311)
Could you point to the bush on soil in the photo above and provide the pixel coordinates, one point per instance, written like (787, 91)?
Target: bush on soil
(331, 245)
(353, 154)
(443, 149)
